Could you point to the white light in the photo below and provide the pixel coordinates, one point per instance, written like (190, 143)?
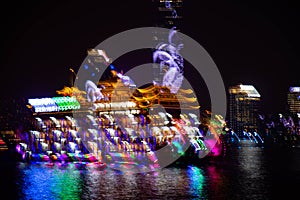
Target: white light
(43, 105)
(115, 105)
(294, 89)
(250, 90)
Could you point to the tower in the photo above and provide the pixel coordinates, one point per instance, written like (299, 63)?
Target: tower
(168, 13)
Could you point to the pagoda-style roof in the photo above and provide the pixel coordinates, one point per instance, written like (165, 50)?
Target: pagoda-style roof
(154, 95)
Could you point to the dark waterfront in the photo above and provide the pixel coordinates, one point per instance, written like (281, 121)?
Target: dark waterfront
(245, 172)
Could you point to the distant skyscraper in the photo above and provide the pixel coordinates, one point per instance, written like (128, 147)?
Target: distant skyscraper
(243, 108)
(167, 14)
(293, 99)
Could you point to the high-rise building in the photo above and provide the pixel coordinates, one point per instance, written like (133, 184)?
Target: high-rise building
(243, 108)
(168, 13)
(293, 100)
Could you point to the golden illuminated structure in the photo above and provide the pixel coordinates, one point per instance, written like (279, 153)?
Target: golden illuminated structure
(118, 96)
(155, 95)
(72, 91)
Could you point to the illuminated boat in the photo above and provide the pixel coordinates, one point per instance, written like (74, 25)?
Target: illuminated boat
(116, 123)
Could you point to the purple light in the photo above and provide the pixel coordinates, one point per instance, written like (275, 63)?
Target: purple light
(168, 55)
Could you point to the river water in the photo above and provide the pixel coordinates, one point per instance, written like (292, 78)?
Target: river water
(244, 172)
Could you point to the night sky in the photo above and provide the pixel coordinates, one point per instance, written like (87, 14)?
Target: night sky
(252, 42)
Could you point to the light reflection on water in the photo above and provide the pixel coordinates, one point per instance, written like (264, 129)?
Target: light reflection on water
(42, 182)
(197, 180)
(39, 181)
(244, 173)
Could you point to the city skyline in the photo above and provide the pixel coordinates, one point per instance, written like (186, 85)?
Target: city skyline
(166, 99)
(250, 43)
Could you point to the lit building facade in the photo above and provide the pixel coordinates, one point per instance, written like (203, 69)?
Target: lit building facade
(293, 100)
(244, 103)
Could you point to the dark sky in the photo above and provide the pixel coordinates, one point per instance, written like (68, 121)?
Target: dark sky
(251, 42)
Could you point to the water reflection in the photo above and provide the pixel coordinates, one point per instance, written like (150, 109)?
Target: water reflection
(42, 182)
(217, 184)
(245, 173)
(197, 180)
(254, 173)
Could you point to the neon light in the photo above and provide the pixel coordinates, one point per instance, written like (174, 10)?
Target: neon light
(294, 89)
(54, 104)
(43, 105)
(114, 105)
(66, 103)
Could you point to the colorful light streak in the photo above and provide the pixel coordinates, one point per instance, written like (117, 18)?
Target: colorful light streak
(54, 104)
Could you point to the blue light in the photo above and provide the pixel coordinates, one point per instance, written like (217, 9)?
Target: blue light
(112, 67)
(86, 66)
(93, 74)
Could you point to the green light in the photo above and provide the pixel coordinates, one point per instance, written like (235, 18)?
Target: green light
(66, 103)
